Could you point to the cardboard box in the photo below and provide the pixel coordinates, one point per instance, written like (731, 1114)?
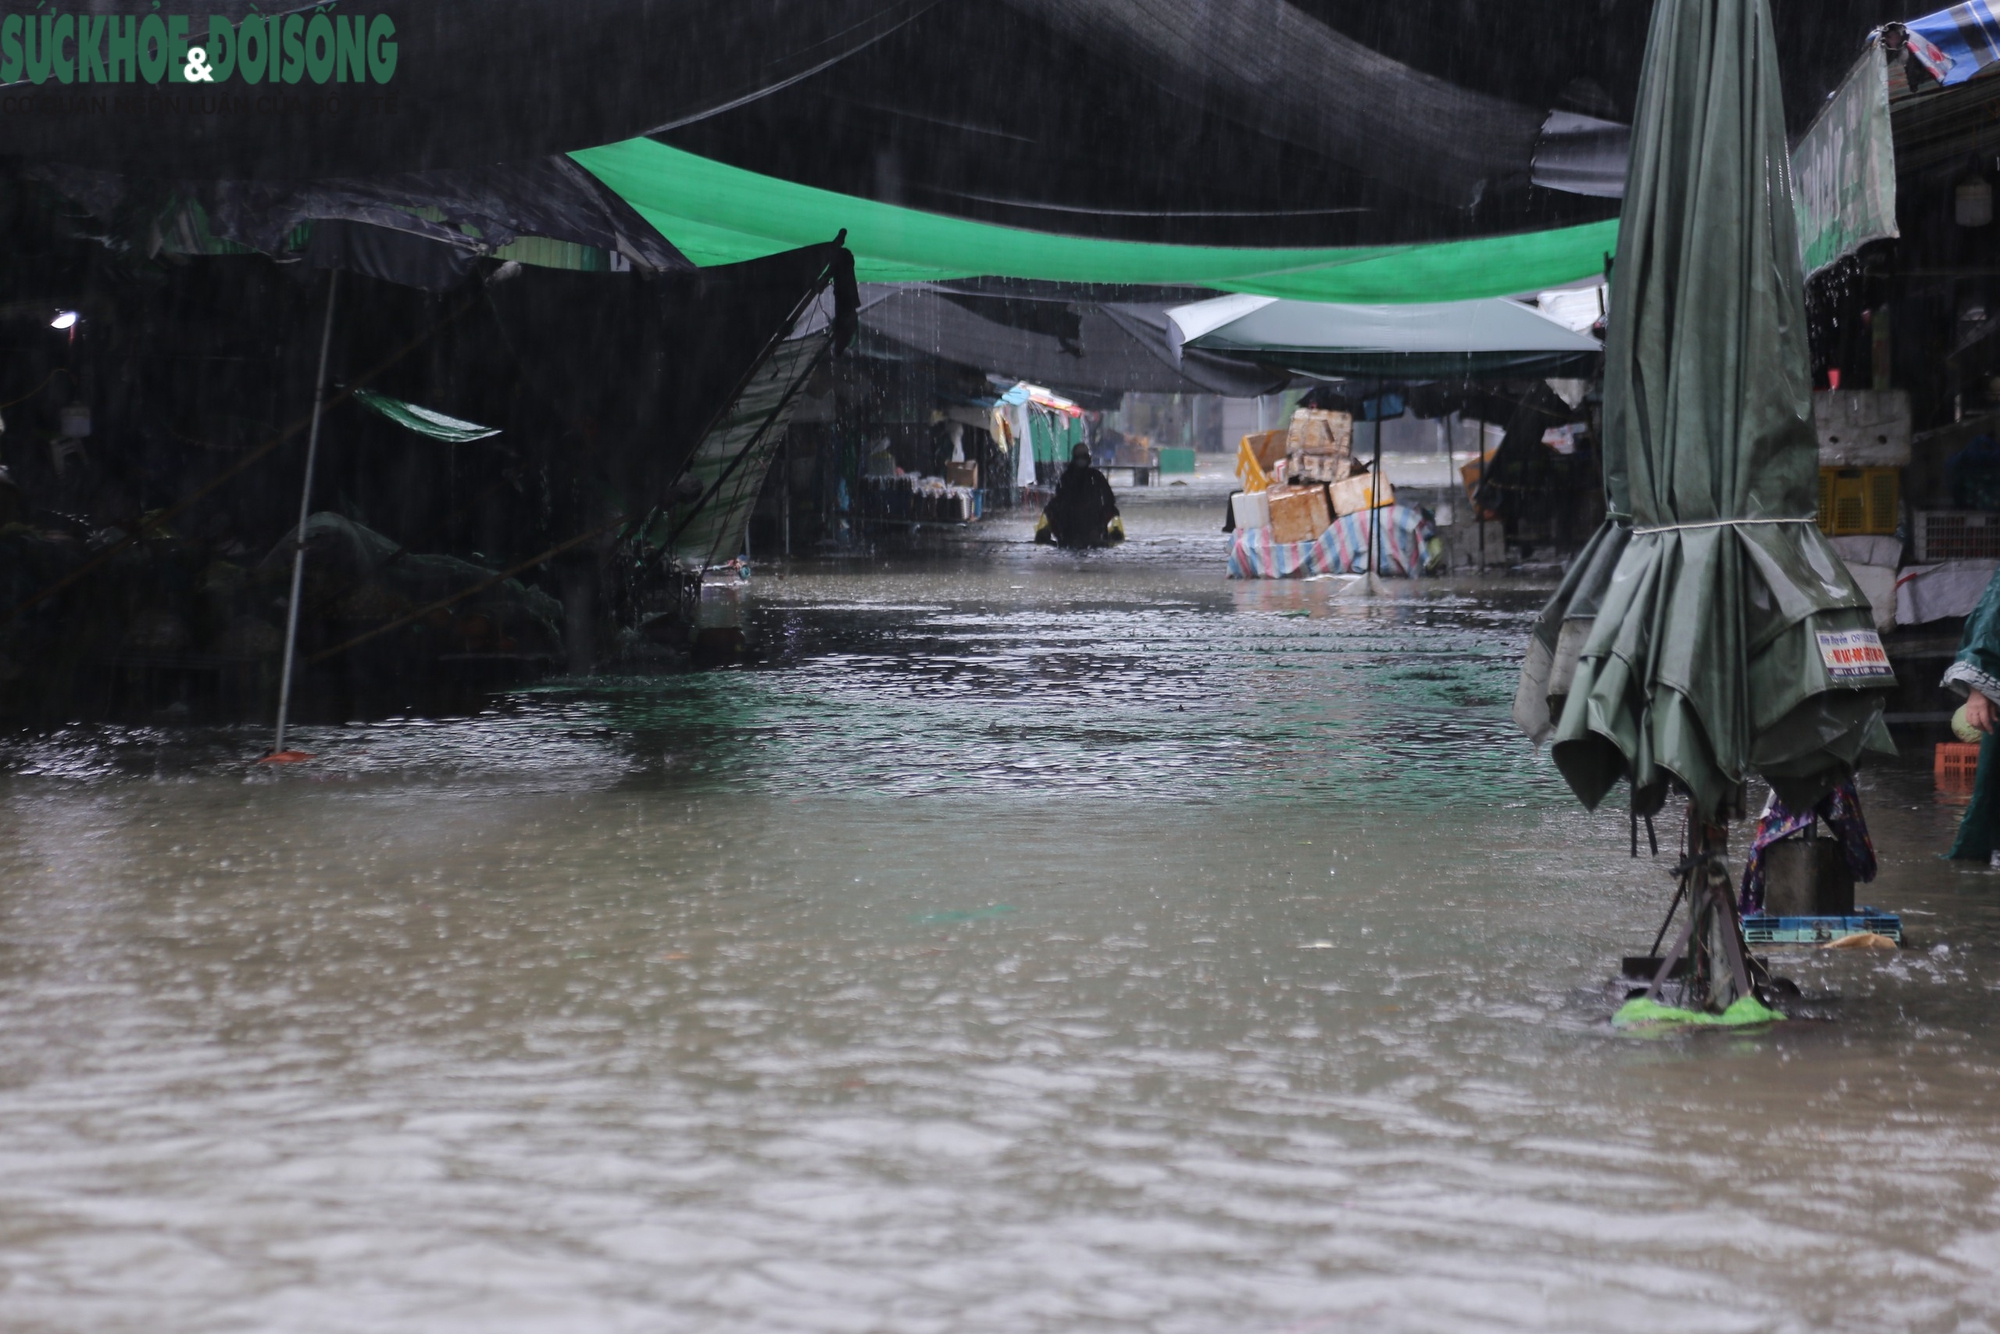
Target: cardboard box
(962, 474)
(1317, 432)
(1319, 446)
(1360, 492)
(1298, 513)
(1304, 467)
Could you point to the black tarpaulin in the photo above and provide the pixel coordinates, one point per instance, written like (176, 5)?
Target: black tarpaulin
(631, 373)
(1086, 349)
(1266, 122)
(421, 229)
(1261, 122)
(474, 84)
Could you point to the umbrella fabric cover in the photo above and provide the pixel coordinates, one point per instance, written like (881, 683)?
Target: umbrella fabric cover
(1717, 646)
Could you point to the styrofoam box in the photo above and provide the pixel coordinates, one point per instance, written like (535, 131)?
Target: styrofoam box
(1251, 508)
(1862, 428)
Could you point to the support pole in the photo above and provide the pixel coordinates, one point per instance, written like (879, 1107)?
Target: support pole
(1478, 504)
(1375, 497)
(305, 509)
(1450, 464)
(1373, 583)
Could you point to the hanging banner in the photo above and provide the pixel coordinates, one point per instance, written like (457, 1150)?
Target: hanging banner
(1844, 169)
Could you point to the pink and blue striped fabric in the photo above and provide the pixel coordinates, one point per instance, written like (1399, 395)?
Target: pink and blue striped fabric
(1341, 549)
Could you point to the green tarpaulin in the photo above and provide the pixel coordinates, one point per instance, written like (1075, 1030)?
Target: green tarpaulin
(718, 214)
(1710, 631)
(423, 420)
(1055, 434)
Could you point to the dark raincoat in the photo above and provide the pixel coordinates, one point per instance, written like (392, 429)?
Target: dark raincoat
(1081, 511)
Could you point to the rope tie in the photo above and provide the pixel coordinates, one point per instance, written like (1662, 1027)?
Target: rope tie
(1711, 523)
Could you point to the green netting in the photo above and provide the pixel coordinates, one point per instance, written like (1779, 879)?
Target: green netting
(718, 214)
(424, 421)
(1642, 1014)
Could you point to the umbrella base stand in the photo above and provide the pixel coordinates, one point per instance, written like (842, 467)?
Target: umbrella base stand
(1708, 974)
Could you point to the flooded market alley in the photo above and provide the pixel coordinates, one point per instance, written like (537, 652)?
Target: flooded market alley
(1030, 942)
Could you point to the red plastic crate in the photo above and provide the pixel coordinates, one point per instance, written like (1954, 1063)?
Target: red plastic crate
(1956, 764)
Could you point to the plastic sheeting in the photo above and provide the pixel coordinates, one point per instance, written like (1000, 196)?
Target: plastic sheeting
(717, 214)
(1112, 349)
(1346, 122)
(1957, 43)
(1451, 339)
(735, 456)
(1341, 549)
(1946, 590)
(421, 229)
(424, 421)
(635, 373)
(1259, 122)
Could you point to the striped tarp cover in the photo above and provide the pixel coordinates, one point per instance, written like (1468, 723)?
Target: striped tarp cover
(1341, 549)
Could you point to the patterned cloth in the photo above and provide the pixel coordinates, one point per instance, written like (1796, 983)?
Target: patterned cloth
(1341, 549)
(1840, 808)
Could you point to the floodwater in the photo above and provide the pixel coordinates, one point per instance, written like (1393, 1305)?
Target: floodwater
(1034, 942)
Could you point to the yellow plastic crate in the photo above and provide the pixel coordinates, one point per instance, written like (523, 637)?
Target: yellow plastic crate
(1255, 457)
(1853, 501)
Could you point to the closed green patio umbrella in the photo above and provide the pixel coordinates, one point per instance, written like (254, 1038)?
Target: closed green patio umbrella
(1709, 632)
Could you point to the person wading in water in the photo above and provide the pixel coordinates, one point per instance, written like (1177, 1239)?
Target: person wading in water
(1083, 512)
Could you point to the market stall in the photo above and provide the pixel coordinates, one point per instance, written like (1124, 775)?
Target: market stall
(1310, 503)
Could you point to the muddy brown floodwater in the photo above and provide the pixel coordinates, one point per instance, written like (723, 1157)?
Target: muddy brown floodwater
(1033, 943)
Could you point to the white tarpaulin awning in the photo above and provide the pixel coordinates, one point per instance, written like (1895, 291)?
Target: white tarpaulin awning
(1431, 340)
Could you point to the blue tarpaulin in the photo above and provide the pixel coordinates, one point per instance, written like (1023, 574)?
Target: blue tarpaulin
(1955, 44)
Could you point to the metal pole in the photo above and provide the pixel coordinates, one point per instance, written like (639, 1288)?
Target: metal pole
(1478, 506)
(1450, 462)
(1375, 500)
(305, 508)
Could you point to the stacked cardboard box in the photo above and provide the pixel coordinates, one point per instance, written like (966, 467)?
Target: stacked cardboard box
(1319, 446)
(1298, 513)
(1360, 492)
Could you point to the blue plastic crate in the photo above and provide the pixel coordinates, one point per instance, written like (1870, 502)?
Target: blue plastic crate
(1762, 930)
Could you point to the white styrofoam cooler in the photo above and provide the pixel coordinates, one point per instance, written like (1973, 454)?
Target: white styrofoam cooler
(1251, 508)
(1862, 428)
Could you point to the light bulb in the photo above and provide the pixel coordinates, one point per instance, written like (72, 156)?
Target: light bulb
(64, 319)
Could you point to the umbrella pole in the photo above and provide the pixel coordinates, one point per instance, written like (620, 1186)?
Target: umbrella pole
(305, 508)
(1375, 588)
